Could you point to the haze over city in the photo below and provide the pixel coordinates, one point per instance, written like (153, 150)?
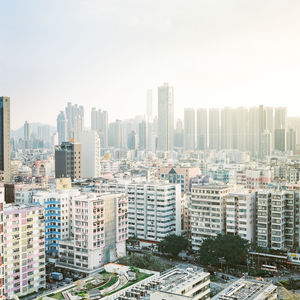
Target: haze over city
(149, 150)
(98, 53)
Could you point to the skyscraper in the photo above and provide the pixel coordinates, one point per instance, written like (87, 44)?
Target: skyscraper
(178, 135)
(242, 129)
(75, 121)
(99, 122)
(214, 128)
(26, 134)
(5, 139)
(61, 128)
(280, 125)
(165, 118)
(201, 129)
(262, 127)
(149, 104)
(143, 135)
(227, 128)
(90, 154)
(280, 118)
(189, 129)
(280, 140)
(254, 130)
(291, 140)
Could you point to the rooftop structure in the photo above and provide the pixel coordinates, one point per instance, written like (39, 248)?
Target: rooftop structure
(248, 289)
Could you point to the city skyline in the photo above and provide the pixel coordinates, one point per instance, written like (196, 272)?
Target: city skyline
(98, 55)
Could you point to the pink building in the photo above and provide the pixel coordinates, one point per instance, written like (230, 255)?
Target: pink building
(1, 245)
(24, 249)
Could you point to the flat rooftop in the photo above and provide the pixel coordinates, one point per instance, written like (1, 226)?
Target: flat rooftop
(176, 279)
(246, 289)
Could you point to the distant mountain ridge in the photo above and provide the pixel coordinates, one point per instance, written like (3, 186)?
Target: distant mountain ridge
(19, 133)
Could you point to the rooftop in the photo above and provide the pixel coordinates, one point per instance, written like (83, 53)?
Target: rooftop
(176, 279)
(246, 289)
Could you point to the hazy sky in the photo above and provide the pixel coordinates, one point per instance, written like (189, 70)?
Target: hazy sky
(108, 53)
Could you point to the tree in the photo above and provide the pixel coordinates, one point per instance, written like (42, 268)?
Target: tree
(173, 244)
(232, 248)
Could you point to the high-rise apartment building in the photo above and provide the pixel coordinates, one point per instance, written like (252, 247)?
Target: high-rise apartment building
(98, 231)
(99, 123)
(291, 140)
(90, 154)
(189, 128)
(280, 140)
(143, 136)
(277, 219)
(57, 207)
(154, 209)
(280, 121)
(242, 129)
(254, 131)
(165, 118)
(24, 249)
(115, 134)
(149, 105)
(68, 160)
(214, 129)
(240, 214)
(227, 127)
(207, 211)
(75, 121)
(5, 139)
(179, 134)
(61, 128)
(202, 129)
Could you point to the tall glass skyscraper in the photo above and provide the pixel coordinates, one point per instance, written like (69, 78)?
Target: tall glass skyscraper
(5, 139)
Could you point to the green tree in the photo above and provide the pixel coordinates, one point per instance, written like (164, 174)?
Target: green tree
(232, 248)
(173, 244)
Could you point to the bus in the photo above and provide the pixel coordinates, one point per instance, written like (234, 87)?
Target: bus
(269, 268)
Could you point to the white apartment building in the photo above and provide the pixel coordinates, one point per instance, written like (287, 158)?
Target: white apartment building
(278, 219)
(57, 216)
(98, 231)
(90, 156)
(24, 249)
(208, 211)
(240, 214)
(154, 209)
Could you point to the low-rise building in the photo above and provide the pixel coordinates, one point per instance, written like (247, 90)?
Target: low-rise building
(183, 283)
(248, 289)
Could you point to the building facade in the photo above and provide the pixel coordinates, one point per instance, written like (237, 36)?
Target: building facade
(68, 160)
(207, 211)
(5, 167)
(24, 249)
(165, 118)
(240, 214)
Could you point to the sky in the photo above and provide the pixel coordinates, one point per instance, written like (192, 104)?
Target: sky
(106, 54)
